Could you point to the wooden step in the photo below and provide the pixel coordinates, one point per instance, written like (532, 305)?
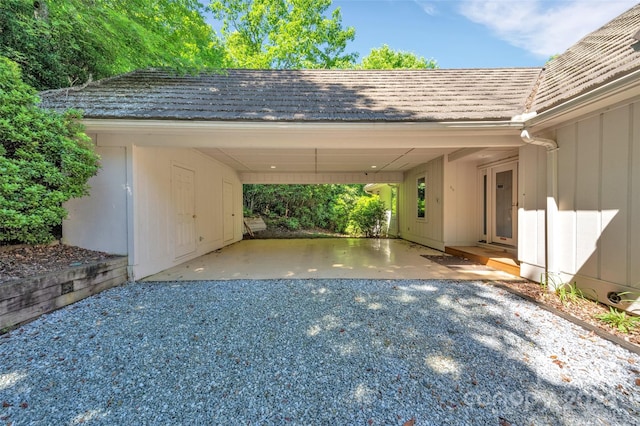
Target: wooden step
(497, 259)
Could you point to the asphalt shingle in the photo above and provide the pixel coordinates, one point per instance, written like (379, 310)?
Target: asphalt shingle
(305, 95)
(600, 57)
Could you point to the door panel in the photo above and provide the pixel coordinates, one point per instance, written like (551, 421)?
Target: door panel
(504, 206)
(185, 212)
(227, 205)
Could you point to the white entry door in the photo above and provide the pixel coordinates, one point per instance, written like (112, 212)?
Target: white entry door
(229, 215)
(504, 195)
(184, 203)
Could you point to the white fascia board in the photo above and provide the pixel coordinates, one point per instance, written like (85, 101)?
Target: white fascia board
(96, 125)
(237, 134)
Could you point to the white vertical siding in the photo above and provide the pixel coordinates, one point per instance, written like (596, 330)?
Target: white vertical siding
(462, 203)
(588, 176)
(599, 200)
(532, 202)
(567, 218)
(614, 195)
(633, 257)
(154, 209)
(99, 221)
(428, 231)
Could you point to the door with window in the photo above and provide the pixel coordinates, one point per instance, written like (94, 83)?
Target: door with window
(505, 204)
(500, 204)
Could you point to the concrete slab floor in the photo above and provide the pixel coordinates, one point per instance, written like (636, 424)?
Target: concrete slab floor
(323, 258)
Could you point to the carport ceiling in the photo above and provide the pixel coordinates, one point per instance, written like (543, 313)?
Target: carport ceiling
(265, 160)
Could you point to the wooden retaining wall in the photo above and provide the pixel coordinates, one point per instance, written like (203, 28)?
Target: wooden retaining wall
(26, 299)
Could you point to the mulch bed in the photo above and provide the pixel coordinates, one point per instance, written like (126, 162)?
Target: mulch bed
(17, 262)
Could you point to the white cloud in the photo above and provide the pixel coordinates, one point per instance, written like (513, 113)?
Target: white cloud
(543, 28)
(428, 7)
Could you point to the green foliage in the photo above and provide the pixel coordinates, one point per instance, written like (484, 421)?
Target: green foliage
(312, 206)
(385, 58)
(619, 319)
(45, 159)
(66, 42)
(283, 34)
(367, 216)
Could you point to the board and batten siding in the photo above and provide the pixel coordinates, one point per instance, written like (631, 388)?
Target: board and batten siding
(597, 232)
(462, 198)
(154, 207)
(427, 231)
(532, 205)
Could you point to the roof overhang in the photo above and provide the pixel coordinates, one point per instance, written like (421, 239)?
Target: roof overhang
(317, 152)
(609, 95)
(293, 135)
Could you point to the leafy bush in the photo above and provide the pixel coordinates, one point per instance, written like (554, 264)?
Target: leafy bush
(367, 216)
(312, 206)
(340, 215)
(45, 159)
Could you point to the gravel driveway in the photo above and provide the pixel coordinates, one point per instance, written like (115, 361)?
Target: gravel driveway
(320, 352)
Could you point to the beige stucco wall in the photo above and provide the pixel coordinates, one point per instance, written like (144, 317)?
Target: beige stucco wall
(154, 207)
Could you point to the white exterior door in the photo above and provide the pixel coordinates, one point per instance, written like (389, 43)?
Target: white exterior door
(183, 181)
(504, 206)
(229, 215)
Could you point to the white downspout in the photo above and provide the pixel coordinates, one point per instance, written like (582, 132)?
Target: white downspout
(552, 198)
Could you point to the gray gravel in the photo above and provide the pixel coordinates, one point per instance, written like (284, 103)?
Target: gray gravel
(334, 352)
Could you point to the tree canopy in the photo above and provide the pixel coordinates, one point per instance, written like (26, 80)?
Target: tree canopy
(385, 58)
(45, 159)
(63, 43)
(278, 34)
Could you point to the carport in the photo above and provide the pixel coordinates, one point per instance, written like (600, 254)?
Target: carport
(176, 150)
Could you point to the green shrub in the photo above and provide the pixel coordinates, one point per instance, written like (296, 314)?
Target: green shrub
(45, 159)
(339, 217)
(367, 216)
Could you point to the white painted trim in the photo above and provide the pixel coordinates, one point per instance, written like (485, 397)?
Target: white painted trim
(532, 272)
(131, 209)
(319, 178)
(130, 126)
(501, 162)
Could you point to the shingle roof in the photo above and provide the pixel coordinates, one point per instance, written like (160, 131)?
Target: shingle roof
(351, 96)
(600, 57)
(311, 95)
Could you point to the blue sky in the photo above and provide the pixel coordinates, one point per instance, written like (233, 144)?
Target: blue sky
(476, 33)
